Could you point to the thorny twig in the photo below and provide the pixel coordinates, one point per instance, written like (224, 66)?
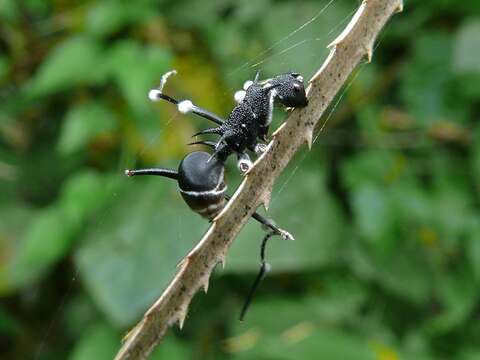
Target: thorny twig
(346, 51)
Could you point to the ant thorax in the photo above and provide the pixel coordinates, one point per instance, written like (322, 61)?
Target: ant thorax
(260, 99)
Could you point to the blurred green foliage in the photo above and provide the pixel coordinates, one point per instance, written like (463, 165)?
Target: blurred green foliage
(385, 208)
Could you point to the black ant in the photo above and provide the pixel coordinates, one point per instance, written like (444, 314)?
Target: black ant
(200, 175)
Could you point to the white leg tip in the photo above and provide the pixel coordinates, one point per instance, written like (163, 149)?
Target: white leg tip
(286, 235)
(247, 84)
(239, 96)
(153, 94)
(185, 106)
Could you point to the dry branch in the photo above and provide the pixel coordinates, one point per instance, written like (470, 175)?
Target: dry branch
(353, 44)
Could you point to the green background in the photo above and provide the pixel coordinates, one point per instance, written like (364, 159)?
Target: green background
(385, 208)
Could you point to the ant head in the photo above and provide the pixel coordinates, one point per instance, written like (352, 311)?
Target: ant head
(290, 90)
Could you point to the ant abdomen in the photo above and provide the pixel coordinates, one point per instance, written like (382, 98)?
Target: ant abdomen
(201, 183)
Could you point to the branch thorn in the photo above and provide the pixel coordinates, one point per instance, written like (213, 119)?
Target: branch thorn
(309, 137)
(266, 197)
(400, 6)
(182, 314)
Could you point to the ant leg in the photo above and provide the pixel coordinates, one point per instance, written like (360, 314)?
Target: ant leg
(185, 106)
(260, 148)
(221, 150)
(269, 224)
(217, 131)
(243, 162)
(263, 132)
(210, 144)
(257, 76)
(264, 269)
(169, 173)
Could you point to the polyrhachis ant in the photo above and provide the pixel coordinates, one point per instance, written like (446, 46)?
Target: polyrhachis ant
(200, 175)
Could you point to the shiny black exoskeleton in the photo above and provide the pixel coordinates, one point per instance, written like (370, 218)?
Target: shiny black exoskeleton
(250, 118)
(201, 183)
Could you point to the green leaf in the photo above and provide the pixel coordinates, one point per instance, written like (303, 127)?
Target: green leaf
(9, 10)
(304, 201)
(450, 198)
(294, 329)
(79, 313)
(9, 325)
(76, 61)
(171, 348)
(473, 245)
(340, 299)
(427, 88)
(129, 258)
(465, 59)
(99, 341)
(475, 158)
(323, 343)
(458, 295)
(300, 34)
(52, 231)
(402, 272)
(85, 193)
(136, 69)
(470, 353)
(12, 228)
(196, 13)
(4, 67)
(389, 208)
(467, 47)
(371, 167)
(46, 240)
(108, 17)
(373, 214)
(84, 123)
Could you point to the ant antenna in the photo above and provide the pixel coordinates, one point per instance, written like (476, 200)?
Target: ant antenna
(168, 173)
(264, 269)
(257, 76)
